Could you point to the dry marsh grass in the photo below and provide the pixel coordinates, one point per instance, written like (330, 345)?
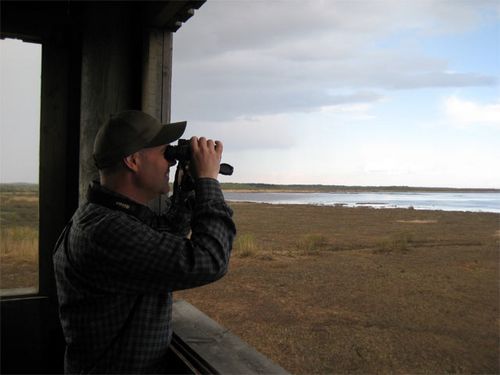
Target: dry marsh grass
(398, 242)
(19, 242)
(337, 289)
(383, 291)
(311, 243)
(245, 245)
(18, 239)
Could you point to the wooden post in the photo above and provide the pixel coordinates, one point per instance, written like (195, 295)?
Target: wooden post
(58, 181)
(156, 84)
(157, 74)
(111, 74)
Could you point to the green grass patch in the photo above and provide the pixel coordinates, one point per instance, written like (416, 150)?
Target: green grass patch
(398, 242)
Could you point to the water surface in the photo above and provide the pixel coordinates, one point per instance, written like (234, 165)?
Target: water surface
(449, 201)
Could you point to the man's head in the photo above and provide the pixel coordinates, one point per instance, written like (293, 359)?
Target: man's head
(133, 142)
(130, 131)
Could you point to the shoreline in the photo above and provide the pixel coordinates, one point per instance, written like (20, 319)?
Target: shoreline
(231, 187)
(361, 190)
(363, 205)
(276, 188)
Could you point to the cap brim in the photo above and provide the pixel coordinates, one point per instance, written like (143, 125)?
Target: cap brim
(168, 134)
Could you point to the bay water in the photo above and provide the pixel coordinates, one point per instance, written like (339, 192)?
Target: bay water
(446, 201)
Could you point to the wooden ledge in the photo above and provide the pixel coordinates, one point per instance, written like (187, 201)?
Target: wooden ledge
(225, 352)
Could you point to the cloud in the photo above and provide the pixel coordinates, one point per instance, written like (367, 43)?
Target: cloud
(221, 25)
(468, 113)
(248, 58)
(268, 132)
(349, 112)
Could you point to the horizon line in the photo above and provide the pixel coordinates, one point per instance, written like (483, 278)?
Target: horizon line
(317, 184)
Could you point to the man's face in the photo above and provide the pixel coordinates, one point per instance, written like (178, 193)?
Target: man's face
(153, 173)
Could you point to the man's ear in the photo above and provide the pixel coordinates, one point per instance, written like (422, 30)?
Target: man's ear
(131, 162)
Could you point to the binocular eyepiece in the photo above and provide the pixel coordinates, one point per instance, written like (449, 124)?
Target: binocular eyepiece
(182, 153)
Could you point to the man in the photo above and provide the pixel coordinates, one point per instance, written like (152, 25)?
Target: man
(116, 264)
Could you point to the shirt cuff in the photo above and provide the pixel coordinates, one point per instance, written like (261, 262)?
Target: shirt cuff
(208, 189)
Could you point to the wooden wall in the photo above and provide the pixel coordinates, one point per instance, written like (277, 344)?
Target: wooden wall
(97, 59)
(124, 66)
(111, 75)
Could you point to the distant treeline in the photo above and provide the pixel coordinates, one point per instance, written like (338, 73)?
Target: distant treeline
(345, 188)
(27, 187)
(19, 187)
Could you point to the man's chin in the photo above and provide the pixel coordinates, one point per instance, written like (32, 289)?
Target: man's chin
(165, 189)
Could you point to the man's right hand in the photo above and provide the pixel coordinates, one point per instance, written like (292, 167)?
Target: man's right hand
(205, 157)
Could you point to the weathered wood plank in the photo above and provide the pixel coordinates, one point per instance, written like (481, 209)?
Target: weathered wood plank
(216, 345)
(58, 181)
(111, 75)
(156, 83)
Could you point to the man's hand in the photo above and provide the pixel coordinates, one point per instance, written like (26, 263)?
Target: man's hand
(205, 157)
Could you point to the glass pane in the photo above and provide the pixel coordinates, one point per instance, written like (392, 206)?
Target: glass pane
(20, 84)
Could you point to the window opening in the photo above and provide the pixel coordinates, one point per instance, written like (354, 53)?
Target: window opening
(20, 87)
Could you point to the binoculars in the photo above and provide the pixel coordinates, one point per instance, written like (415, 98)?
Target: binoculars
(182, 153)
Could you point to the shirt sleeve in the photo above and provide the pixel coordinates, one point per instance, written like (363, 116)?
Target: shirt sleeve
(132, 257)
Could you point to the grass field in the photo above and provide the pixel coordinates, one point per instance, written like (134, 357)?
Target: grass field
(337, 289)
(18, 237)
(360, 290)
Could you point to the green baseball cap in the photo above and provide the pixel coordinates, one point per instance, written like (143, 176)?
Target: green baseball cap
(130, 131)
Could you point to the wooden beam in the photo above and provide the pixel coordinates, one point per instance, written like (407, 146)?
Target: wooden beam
(59, 151)
(170, 15)
(111, 74)
(156, 83)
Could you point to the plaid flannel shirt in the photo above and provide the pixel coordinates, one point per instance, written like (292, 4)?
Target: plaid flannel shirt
(115, 273)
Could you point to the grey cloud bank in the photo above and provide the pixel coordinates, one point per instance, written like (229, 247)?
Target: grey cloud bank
(335, 92)
(246, 58)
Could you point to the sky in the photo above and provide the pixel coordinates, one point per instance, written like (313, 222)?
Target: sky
(20, 84)
(361, 92)
(345, 92)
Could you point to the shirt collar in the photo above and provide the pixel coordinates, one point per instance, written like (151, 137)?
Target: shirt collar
(98, 194)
